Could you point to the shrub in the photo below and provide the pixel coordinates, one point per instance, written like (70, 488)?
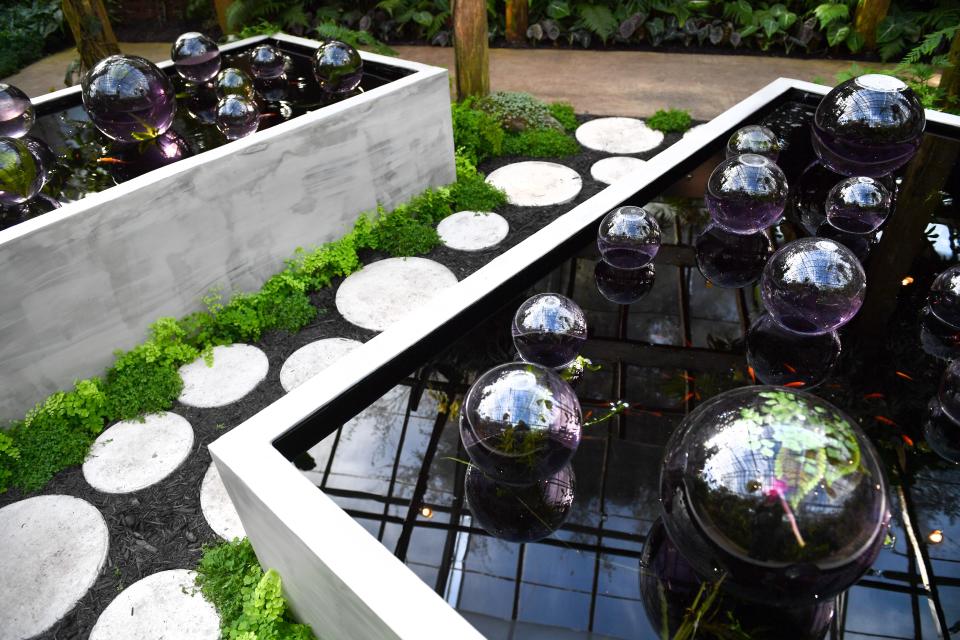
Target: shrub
(476, 133)
(671, 120)
(516, 111)
(563, 113)
(396, 233)
(471, 192)
(9, 454)
(548, 143)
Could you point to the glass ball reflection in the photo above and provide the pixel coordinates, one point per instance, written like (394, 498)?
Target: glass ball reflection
(520, 423)
(20, 174)
(754, 139)
(949, 393)
(520, 514)
(868, 126)
(16, 111)
(858, 205)
(942, 433)
(237, 117)
(196, 57)
(266, 62)
(781, 357)
(43, 154)
(549, 329)
(138, 159)
(813, 286)
(860, 244)
(731, 260)
(944, 296)
(337, 66)
(128, 98)
(778, 489)
(628, 237)
(937, 338)
(233, 82)
(623, 286)
(746, 193)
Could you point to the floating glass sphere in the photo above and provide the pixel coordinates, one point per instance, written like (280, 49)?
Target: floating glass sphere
(731, 260)
(942, 433)
(623, 286)
(20, 174)
(779, 490)
(813, 286)
(201, 103)
(128, 98)
(233, 82)
(273, 89)
(138, 159)
(43, 154)
(520, 423)
(781, 357)
(338, 67)
(266, 62)
(549, 329)
(196, 57)
(937, 338)
(868, 126)
(520, 514)
(237, 117)
(754, 139)
(16, 112)
(949, 393)
(860, 244)
(944, 296)
(746, 193)
(628, 237)
(858, 205)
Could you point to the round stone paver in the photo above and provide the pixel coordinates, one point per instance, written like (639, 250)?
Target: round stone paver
(618, 135)
(164, 606)
(537, 184)
(132, 455)
(383, 292)
(309, 360)
(217, 508)
(236, 370)
(473, 230)
(53, 549)
(609, 170)
(692, 129)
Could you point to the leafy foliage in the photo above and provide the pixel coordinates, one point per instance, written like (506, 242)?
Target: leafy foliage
(476, 133)
(563, 113)
(25, 28)
(517, 111)
(471, 192)
(671, 120)
(918, 77)
(540, 143)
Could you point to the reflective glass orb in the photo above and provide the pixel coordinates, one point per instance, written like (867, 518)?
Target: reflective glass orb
(944, 296)
(746, 193)
(237, 117)
(196, 57)
(813, 286)
(754, 139)
(201, 103)
(273, 89)
(809, 195)
(778, 489)
(549, 329)
(731, 260)
(623, 286)
(861, 244)
(43, 154)
(266, 62)
(520, 423)
(233, 82)
(520, 514)
(781, 357)
(138, 159)
(937, 338)
(942, 433)
(868, 126)
(949, 393)
(20, 174)
(128, 98)
(628, 237)
(858, 205)
(337, 66)
(16, 112)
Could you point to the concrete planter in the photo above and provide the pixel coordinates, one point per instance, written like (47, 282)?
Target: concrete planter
(87, 279)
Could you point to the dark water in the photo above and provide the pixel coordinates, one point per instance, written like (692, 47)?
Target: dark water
(547, 348)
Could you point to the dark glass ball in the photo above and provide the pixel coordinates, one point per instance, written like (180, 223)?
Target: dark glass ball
(731, 260)
(43, 154)
(237, 117)
(266, 62)
(746, 193)
(138, 159)
(337, 66)
(273, 89)
(754, 139)
(942, 433)
(949, 394)
(16, 112)
(196, 57)
(128, 98)
(944, 296)
(937, 338)
(623, 286)
(628, 237)
(781, 357)
(20, 174)
(858, 205)
(201, 103)
(549, 329)
(860, 244)
(777, 489)
(868, 126)
(233, 82)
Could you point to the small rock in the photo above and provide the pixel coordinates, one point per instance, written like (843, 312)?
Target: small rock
(129, 520)
(189, 536)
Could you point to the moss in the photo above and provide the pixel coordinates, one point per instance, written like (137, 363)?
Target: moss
(670, 121)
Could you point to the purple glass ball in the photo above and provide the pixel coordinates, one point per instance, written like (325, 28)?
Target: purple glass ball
(337, 66)
(20, 174)
(942, 433)
(623, 286)
(858, 205)
(196, 57)
(861, 244)
(944, 296)
(128, 98)
(781, 357)
(731, 260)
(746, 193)
(43, 154)
(813, 286)
(868, 126)
(233, 82)
(937, 338)
(266, 62)
(949, 393)
(520, 423)
(200, 103)
(754, 139)
(549, 329)
(138, 159)
(628, 237)
(237, 117)
(16, 112)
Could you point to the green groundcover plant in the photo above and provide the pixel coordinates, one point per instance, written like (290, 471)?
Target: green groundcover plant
(670, 121)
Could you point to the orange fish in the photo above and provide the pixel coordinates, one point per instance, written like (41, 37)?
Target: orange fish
(903, 375)
(789, 368)
(796, 384)
(687, 377)
(885, 420)
(753, 374)
(873, 396)
(907, 439)
(588, 414)
(106, 160)
(688, 396)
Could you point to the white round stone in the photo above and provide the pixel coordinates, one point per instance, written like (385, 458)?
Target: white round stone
(53, 549)
(309, 360)
(618, 135)
(236, 370)
(692, 129)
(132, 455)
(385, 291)
(217, 508)
(473, 230)
(537, 184)
(164, 606)
(612, 169)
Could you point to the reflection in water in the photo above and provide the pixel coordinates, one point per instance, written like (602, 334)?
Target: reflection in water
(624, 286)
(942, 433)
(131, 160)
(549, 329)
(729, 259)
(944, 298)
(937, 338)
(860, 244)
(753, 139)
(782, 357)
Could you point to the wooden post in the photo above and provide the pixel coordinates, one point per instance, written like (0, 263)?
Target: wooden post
(517, 20)
(471, 53)
(950, 80)
(91, 30)
(221, 7)
(870, 13)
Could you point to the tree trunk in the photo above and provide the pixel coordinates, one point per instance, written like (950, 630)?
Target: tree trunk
(470, 48)
(517, 20)
(91, 30)
(870, 13)
(221, 7)
(950, 80)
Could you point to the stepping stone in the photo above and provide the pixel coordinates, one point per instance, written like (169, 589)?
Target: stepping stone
(236, 370)
(612, 169)
(537, 184)
(383, 292)
(618, 135)
(132, 455)
(217, 508)
(691, 130)
(473, 230)
(53, 549)
(163, 606)
(309, 360)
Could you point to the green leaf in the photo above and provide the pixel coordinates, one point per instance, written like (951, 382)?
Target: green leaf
(855, 41)
(558, 9)
(831, 12)
(599, 19)
(770, 27)
(837, 33)
(423, 18)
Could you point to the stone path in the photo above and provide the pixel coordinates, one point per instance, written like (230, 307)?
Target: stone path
(217, 508)
(618, 135)
(609, 170)
(309, 360)
(235, 371)
(533, 183)
(473, 230)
